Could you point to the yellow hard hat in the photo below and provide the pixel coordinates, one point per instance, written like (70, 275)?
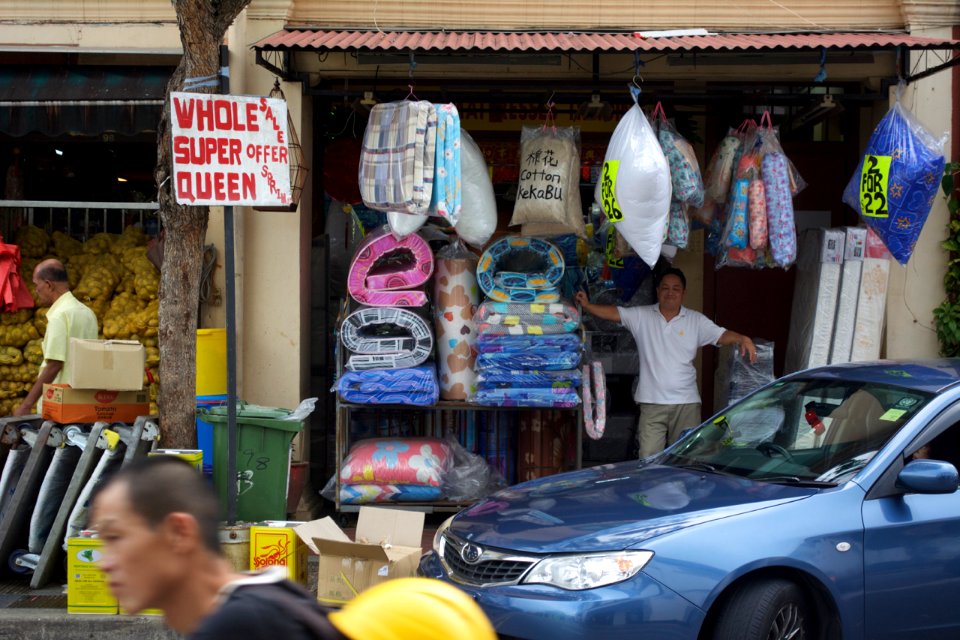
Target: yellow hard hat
(421, 608)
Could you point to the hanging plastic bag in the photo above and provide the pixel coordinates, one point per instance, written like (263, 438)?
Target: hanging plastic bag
(478, 214)
(896, 181)
(735, 233)
(549, 175)
(397, 161)
(403, 224)
(678, 228)
(719, 171)
(685, 175)
(634, 188)
(776, 174)
(769, 140)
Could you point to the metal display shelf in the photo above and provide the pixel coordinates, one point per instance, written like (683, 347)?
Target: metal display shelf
(342, 426)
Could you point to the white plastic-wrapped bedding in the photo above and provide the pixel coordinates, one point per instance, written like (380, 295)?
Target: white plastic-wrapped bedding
(853, 248)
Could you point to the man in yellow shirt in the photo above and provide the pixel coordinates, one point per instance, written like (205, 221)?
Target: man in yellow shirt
(67, 318)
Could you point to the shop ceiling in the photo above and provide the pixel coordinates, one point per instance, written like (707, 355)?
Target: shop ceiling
(372, 50)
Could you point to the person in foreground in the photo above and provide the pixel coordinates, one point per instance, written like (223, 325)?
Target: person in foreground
(159, 521)
(668, 337)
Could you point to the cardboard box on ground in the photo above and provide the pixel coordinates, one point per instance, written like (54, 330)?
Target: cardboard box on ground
(386, 546)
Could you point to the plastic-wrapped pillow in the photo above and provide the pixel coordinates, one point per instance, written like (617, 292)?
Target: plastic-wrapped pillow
(478, 214)
(896, 181)
(635, 185)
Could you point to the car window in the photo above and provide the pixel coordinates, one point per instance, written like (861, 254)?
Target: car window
(808, 430)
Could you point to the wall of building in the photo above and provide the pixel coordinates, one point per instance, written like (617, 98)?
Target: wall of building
(917, 289)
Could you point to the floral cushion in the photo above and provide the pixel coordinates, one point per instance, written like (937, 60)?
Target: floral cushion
(407, 461)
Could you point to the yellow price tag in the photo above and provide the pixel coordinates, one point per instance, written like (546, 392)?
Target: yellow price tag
(535, 330)
(611, 247)
(511, 321)
(608, 190)
(892, 415)
(537, 308)
(874, 180)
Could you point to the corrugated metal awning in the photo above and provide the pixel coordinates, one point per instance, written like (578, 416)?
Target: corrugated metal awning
(298, 39)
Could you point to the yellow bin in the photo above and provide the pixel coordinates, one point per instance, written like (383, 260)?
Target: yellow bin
(211, 362)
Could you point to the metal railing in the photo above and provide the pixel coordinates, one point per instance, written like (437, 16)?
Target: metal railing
(78, 219)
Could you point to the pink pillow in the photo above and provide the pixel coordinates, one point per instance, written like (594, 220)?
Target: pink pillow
(417, 461)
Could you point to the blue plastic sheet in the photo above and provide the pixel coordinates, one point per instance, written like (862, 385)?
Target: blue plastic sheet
(414, 386)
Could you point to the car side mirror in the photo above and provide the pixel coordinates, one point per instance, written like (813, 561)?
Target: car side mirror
(929, 476)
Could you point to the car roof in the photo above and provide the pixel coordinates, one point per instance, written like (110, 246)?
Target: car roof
(933, 376)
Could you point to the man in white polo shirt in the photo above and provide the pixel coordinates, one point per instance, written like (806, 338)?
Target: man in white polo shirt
(668, 336)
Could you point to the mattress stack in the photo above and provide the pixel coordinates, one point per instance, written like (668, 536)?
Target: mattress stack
(388, 342)
(529, 347)
(817, 288)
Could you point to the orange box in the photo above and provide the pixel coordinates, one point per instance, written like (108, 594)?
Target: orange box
(66, 405)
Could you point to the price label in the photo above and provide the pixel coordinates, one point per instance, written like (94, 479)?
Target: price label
(874, 180)
(612, 260)
(608, 190)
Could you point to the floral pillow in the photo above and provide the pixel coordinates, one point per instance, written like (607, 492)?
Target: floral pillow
(410, 461)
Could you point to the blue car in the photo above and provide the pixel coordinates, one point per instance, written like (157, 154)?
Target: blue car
(824, 505)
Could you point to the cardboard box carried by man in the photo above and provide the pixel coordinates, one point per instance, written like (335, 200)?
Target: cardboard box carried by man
(105, 384)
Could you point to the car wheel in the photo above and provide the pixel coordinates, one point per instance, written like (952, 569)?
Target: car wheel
(764, 610)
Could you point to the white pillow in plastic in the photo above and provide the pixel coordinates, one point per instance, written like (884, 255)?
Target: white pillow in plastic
(478, 216)
(642, 187)
(403, 224)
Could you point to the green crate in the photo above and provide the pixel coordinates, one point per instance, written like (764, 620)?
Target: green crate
(263, 459)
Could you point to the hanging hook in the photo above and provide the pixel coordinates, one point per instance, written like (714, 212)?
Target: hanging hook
(413, 65)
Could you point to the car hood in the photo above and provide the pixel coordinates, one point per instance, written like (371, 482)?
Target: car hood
(611, 507)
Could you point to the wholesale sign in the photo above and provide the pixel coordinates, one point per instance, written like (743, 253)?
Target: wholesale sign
(229, 150)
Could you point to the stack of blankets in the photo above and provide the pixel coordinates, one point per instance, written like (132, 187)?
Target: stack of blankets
(387, 341)
(529, 347)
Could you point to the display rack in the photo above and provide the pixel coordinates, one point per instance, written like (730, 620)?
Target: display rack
(343, 424)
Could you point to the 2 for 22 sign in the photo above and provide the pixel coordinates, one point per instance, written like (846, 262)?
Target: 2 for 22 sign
(229, 150)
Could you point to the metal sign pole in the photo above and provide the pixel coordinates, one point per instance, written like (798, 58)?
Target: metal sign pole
(230, 280)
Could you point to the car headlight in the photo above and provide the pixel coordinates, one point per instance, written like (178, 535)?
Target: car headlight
(588, 571)
(439, 542)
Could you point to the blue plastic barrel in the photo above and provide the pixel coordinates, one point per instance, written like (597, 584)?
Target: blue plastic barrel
(205, 430)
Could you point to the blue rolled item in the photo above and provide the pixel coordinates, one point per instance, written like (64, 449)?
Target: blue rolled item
(542, 398)
(516, 269)
(532, 361)
(507, 378)
(415, 386)
(499, 343)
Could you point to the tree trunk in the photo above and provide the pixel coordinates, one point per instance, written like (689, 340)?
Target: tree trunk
(203, 24)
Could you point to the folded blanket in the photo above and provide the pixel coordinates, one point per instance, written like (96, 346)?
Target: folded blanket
(447, 199)
(375, 492)
(414, 386)
(559, 398)
(559, 342)
(383, 265)
(546, 361)
(523, 318)
(506, 378)
(386, 338)
(398, 157)
(515, 269)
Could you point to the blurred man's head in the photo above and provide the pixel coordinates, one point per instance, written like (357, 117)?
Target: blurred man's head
(158, 517)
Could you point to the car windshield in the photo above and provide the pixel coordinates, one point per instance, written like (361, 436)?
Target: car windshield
(800, 431)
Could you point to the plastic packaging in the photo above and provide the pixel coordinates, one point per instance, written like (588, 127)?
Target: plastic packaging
(518, 318)
(635, 186)
(455, 298)
(549, 189)
(470, 477)
(446, 200)
(529, 361)
(422, 461)
(719, 171)
(398, 157)
(478, 215)
(529, 344)
(896, 181)
(413, 386)
(757, 206)
(515, 269)
(745, 378)
(403, 224)
(543, 398)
